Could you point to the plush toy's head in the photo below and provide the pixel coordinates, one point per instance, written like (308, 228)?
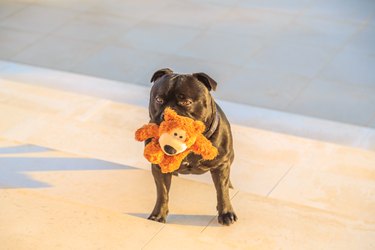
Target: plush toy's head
(178, 133)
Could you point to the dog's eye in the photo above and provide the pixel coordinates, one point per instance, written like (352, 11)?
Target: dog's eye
(186, 103)
(181, 96)
(159, 100)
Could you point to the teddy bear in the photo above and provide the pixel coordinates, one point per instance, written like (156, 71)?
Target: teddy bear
(173, 140)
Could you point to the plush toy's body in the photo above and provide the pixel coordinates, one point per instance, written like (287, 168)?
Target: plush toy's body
(173, 140)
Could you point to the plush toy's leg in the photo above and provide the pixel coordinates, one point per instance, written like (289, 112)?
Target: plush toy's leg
(163, 183)
(220, 176)
(172, 163)
(153, 152)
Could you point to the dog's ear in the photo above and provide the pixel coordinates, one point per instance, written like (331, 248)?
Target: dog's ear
(206, 80)
(160, 73)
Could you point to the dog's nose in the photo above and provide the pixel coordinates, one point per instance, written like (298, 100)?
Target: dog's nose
(170, 150)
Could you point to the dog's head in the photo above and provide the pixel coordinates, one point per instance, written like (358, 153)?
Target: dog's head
(187, 94)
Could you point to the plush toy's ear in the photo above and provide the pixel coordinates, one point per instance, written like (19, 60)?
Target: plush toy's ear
(206, 80)
(169, 114)
(160, 73)
(199, 126)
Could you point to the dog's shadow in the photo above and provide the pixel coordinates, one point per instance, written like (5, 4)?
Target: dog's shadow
(186, 219)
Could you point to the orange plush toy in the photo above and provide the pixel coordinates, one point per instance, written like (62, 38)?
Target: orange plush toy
(173, 140)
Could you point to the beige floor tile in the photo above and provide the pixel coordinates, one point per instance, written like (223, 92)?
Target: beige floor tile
(269, 89)
(292, 57)
(33, 18)
(319, 31)
(287, 6)
(13, 41)
(257, 22)
(14, 116)
(352, 66)
(333, 178)
(364, 39)
(208, 43)
(350, 11)
(348, 100)
(258, 166)
(30, 220)
(8, 8)
(43, 100)
(56, 52)
(128, 190)
(83, 5)
(165, 38)
(137, 10)
(272, 224)
(94, 27)
(181, 13)
(121, 64)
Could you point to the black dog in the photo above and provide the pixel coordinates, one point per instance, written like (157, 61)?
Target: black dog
(189, 95)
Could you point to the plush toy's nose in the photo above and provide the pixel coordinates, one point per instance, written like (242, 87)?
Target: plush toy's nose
(170, 150)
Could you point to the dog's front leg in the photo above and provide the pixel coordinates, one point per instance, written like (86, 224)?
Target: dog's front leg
(163, 183)
(220, 176)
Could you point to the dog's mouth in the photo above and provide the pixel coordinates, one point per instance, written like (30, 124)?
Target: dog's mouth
(173, 143)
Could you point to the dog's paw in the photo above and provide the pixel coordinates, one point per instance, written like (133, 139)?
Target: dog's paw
(158, 218)
(227, 218)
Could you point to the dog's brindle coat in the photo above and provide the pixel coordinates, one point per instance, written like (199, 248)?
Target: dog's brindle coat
(189, 95)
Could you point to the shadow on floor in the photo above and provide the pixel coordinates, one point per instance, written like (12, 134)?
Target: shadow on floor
(13, 170)
(183, 219)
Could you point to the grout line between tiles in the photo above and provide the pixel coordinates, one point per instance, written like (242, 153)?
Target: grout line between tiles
(27, 5)
(327, 63)
(216, 215)
(149, 241)
(282, 178)
(212, 220)
(43, 36)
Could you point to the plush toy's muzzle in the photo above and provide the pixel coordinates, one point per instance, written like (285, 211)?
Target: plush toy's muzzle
(173, 142)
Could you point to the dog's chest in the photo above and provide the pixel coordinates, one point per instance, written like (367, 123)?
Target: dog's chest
(193, 164)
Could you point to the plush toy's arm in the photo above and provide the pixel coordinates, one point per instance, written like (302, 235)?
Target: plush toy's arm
(150, 130)
(204, 147)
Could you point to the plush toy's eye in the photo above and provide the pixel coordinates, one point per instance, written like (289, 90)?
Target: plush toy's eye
(181, 137)
(159, 100)
(175, 134)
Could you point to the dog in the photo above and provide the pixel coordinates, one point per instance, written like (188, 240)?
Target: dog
(189, 95)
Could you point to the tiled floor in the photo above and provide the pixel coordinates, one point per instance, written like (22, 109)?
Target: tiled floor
(72, 177)
(270, 54)
(296, 80)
